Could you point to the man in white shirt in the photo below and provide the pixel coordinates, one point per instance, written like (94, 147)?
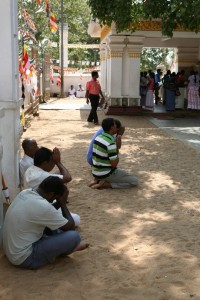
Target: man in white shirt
(72, 92)
(44, 162)
(28, 216)
(30, 147)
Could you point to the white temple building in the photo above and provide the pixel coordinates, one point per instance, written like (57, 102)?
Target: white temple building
(120, 58)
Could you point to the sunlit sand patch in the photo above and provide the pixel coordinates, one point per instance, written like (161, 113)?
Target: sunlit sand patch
(159, 181)
(153, 216)
(116, 211)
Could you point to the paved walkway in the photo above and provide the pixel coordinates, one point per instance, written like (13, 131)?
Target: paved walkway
(186, 129)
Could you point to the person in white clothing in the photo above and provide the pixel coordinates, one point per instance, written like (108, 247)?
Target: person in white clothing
(72, 92)
(30, 147)
(44, 162)
(26, 241)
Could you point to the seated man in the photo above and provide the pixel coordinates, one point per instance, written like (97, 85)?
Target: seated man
(30, 147)
(120, 131)
(80, 88)
(29, 215)
(105, 160)
(44, 162)
(72, 92)
(80, 92)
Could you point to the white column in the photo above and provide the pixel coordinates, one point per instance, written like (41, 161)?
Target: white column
(114, 80)
(134, 49)
(187, 58)
(103, 67)
(108, 75)
(1, 194)
(65, 45)
(10, 125)
(199, 51)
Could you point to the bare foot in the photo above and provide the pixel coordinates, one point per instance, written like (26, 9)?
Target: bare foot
(82, 246)
(96, 186)
(102, 184)
(93, 182)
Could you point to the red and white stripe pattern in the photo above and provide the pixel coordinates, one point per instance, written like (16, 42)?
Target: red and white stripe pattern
(53, 25)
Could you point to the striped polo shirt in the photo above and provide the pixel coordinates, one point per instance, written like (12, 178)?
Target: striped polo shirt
(104, 150)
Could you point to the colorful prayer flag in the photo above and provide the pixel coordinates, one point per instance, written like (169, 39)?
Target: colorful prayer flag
(53, 25)
(28, 20)
(47, 8)
(38, 2)
(26, 64)
(58, 79)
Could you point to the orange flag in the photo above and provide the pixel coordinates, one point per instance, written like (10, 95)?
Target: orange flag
(53, 25)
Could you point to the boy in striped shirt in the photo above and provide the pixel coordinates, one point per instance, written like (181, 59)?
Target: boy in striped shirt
(105, 160)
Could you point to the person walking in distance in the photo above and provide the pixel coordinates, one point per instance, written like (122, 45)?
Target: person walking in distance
(93, 93)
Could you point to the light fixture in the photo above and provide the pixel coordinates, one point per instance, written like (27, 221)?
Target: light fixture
(126, 41)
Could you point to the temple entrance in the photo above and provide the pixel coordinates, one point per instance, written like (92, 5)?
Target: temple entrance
(121, 55)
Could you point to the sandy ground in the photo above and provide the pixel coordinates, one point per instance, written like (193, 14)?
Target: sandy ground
(145, 241)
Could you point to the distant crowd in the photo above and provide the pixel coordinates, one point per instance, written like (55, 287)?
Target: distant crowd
(170, 82)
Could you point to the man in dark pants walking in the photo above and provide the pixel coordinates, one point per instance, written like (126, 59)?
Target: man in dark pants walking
(93, 93)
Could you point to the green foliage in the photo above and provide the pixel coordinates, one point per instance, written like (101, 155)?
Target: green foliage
(152, 57)
(76, 13)
(172, 13)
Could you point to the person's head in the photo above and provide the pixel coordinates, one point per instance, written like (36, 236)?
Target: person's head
(72, 87)
(30, 147)
(152, 75)
(120, 128)
(118, 124)
(52, 188)
(44, 159)
(168, 72)
(95, 75)
(109, 126)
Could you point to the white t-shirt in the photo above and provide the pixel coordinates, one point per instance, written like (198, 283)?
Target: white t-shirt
(72, 91)
(34, 176)
(25, 221)
(24, 164)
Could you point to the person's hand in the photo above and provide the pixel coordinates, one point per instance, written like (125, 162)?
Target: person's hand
(56, 155)
(119, 141)
(87, 101)
(121, 130)
(62, 200)
(102, 101)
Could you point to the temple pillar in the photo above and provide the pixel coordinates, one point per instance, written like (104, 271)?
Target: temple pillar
(1, 194)
(198, 59)
(187, 58)
(10, 124)
(131, 70)
(103, 59)
(114, 69)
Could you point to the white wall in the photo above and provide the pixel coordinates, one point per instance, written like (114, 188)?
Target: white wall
(70, 79)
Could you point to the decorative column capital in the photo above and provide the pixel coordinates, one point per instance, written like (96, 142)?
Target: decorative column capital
(115, 50)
